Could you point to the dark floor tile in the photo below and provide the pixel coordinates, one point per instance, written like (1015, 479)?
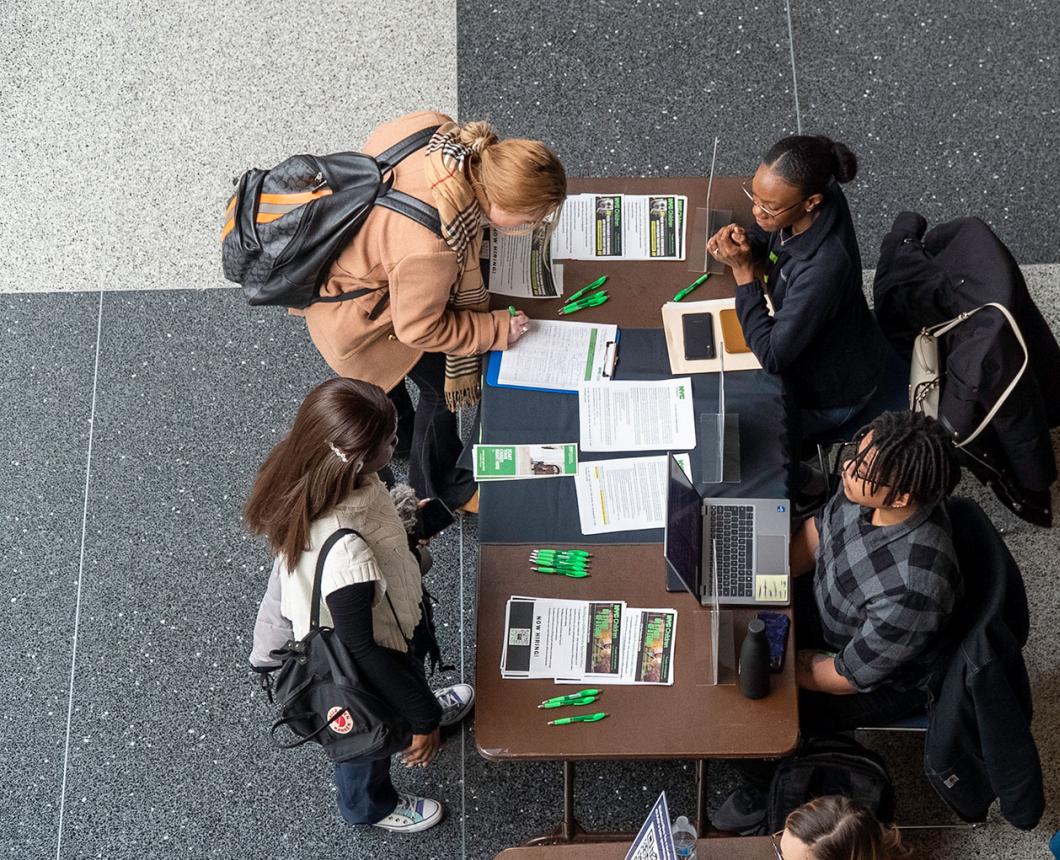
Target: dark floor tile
(630, 89)
(170, 753)
(46, 368)
(951, 109)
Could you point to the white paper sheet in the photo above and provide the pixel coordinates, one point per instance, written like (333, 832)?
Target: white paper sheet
(522, 266)
(637, 416)
(624, 494)
(559, 355)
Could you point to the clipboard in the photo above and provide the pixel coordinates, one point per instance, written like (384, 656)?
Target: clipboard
(493, 369)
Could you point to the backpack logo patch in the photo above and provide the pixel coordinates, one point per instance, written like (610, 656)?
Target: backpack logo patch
(343, 725)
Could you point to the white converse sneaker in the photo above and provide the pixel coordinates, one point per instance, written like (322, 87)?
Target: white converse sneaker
(456, 701)
(412, 814)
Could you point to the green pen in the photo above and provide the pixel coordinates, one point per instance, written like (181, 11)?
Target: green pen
(585, 700)
(569, 696)
(702, 279)
(584, 305)
(599, 282)
(581, 718)
(512, 311)
(574, 574)
(559, 565)
(549, 553)
(585, 300)
(582, 553)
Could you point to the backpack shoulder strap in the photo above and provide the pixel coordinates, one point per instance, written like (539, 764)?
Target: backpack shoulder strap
(318, 576)
(404, 148)
(411, 207)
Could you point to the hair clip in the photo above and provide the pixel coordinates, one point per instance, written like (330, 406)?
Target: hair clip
(342, 456)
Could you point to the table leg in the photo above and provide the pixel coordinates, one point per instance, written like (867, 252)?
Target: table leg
(703, 825)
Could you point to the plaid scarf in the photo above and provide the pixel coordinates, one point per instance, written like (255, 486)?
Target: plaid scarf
(461, 216)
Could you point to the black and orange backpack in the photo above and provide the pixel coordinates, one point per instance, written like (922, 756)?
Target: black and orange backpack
(284, 227)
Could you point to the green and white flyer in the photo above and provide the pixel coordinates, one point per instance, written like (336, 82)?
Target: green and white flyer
(515, 462)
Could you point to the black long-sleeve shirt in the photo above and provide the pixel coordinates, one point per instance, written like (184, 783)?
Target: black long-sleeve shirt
(391, 673)
(822, 338)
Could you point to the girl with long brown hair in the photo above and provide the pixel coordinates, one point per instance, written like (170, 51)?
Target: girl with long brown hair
(320, 478)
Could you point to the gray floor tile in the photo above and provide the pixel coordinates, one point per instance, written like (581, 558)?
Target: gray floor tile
(46, 369)
(627, 88)
(951, 110)
(168, 99)
(170, 754)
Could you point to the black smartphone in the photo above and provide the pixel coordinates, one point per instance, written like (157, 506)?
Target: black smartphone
(699, 336)
(432, 518)
(777, 636)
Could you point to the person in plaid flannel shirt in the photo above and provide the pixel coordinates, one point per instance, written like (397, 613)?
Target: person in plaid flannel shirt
(875, 579)
(885, 578)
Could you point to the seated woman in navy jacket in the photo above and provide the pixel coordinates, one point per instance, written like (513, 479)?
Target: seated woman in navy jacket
(822, 337)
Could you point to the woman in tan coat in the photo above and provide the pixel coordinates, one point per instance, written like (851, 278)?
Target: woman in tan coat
(427, 316)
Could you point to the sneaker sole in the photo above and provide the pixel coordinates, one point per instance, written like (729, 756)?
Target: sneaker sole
(419, 827)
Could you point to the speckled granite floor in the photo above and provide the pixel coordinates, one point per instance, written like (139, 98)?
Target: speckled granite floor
(142, 736)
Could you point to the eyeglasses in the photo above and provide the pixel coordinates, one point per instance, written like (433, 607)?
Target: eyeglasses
(849, 451)
(761, 208)
(776, 848)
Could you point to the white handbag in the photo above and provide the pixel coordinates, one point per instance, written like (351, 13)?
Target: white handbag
(925, 374)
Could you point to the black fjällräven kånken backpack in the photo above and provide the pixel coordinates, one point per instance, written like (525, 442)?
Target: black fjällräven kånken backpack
(284, 227)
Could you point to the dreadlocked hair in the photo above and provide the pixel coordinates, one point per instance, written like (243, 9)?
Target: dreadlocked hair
(911, 453)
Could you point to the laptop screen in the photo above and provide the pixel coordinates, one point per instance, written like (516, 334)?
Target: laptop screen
(683, 540)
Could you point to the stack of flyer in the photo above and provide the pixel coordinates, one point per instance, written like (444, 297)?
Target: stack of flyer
(512, 462)
(574, 641)
(621, 226)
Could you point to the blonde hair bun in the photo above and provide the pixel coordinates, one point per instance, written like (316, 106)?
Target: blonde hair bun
(478, 135)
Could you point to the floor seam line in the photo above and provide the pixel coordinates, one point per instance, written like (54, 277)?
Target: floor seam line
(463, 680)
(80, 579)
(794, 76)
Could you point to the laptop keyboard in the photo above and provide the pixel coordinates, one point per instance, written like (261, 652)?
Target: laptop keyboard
(732, 527)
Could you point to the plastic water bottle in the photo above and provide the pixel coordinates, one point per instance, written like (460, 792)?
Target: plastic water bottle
(684, 838)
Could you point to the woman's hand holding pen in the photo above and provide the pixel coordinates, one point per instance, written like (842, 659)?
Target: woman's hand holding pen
(730, 246)
(518, 325)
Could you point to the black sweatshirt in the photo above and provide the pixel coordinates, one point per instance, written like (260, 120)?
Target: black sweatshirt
(391, 673)
(823, 339)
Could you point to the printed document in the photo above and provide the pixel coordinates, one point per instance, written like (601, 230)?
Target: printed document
(624, 494)
(597, 641)
(655, 841)
(559, 356)
(622, 226)
(522, 265)
(646, 650)
(508, 462)
(550, 638)
(637, 416)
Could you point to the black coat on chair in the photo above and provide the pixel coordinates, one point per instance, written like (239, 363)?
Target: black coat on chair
(928, 278)
(979, 744)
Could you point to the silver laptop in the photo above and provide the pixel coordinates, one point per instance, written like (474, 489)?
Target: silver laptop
(739, 544)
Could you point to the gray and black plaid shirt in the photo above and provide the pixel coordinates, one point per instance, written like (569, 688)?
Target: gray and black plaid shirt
(884, 592)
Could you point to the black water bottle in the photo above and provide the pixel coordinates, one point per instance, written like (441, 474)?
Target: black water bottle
(754, 661)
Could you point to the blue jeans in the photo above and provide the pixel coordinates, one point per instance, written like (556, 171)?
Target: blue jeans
(366, 794)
